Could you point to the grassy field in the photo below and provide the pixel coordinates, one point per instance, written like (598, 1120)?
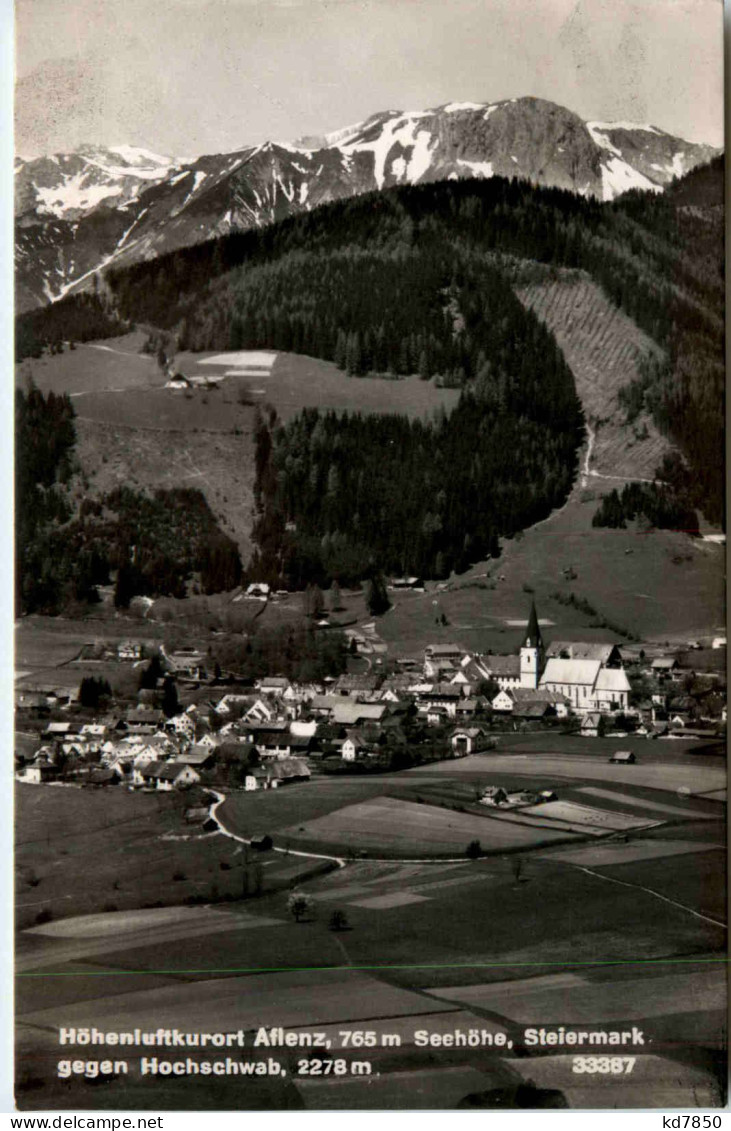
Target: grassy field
(296, 382)
(424, 929)
(662, 586)
(133, 431)
(46, 649)
(398, 827)
(79, 851)
(115, 363)
(384, 814)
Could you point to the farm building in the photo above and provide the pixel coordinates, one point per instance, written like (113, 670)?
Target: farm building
(129, 650)
(623, 757)
(416, 583)
(466, 739)
(273, 685)
(349, 713)
(257, 591)
(279, 773)
(354, 685)
(444, 695)
(167, 776)
(452, 652)
(36, 773)
(592, 725)
(666, 667)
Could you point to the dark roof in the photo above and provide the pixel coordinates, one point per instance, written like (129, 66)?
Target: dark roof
(103, 777)
(532, 638)
(357, 683)
(583, 650)
(502, 665)
(166, 771)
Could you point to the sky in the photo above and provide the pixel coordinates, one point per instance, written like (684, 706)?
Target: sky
(185, 77)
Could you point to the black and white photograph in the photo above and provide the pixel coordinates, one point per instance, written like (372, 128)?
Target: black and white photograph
(369, 561)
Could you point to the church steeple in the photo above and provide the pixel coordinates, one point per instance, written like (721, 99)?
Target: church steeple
(531, 652)
(533, 638)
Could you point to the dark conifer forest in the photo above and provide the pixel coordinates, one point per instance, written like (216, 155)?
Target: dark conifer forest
(344, 496)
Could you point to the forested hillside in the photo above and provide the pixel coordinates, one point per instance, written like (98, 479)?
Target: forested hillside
(345, 496)
(659, 258)
(394, 282)
(154, 542)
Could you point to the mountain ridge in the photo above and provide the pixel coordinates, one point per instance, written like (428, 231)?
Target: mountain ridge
(77, 213)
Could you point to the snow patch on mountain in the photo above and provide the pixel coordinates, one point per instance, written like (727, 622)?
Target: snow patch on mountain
(479, 168)
(601, 139)
(400, 130)
(618, 176)
(455, 107)
(135, 155)
(73, 194)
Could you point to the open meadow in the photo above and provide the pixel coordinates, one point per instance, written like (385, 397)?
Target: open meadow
(611, 932)
(133, 431)
(637, 582)
(81, 851)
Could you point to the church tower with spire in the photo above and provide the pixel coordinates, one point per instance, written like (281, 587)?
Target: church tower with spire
(532, 654)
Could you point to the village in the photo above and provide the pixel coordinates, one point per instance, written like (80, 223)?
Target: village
(189, 727)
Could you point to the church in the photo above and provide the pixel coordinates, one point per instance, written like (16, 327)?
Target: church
(590, 676)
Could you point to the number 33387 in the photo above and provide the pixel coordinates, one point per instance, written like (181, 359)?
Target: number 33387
(604, 1065)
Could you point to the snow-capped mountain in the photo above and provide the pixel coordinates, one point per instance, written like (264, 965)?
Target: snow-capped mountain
(68, 185)
(79, 212)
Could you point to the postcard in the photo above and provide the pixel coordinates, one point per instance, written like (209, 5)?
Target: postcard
(370, 673)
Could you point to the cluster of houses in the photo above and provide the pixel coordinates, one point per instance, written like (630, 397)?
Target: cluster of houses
(278, 731)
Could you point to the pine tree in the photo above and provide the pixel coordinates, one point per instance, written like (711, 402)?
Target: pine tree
(376, 596)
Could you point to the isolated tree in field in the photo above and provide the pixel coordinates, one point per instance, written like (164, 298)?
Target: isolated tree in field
(338, 921)
(376, 596)
(474, 850)
(299, 904)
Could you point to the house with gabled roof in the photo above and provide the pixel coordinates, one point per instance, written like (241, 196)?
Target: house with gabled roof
(354, 685)
(181, 725)
(277, 774)
(259, 712)
(465, 740)
(167, 776)
(350, 713)
(503, 670)
(444, 695)
(444, 652)
(273, 685)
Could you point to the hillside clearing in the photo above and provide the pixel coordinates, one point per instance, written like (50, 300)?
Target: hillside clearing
(604, 349)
